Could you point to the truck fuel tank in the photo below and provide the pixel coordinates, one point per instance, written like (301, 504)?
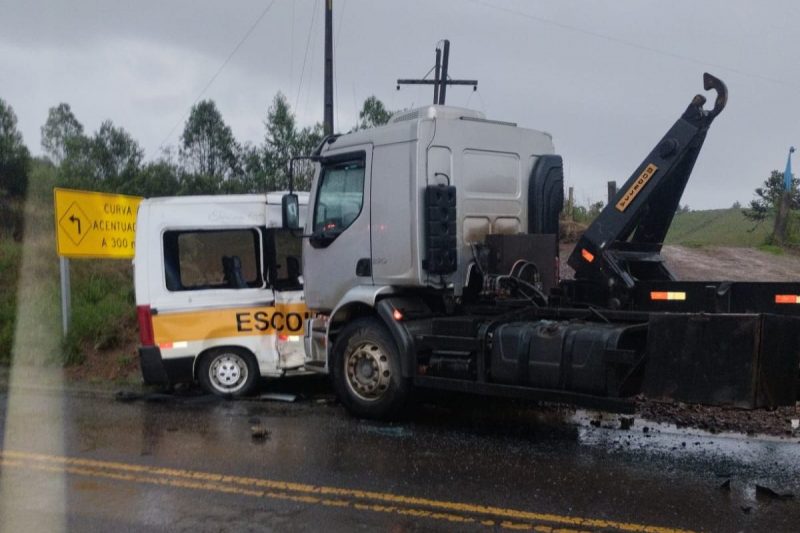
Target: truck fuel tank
(576, 356)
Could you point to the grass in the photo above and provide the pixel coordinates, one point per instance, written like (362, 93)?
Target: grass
(720, 227)
(102, 307)
(771, 249)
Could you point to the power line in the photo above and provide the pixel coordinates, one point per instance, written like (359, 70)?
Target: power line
(305, 55)
(219, 71)
(636, 45)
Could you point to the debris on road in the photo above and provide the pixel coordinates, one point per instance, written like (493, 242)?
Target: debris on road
(277, 397)
(259, 432)
(767, 493)
(716, 419)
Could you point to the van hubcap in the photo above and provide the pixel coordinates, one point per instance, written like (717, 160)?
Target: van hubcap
(228, 372)
(368, 373)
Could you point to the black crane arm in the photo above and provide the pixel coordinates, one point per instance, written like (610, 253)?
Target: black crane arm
(623, 245)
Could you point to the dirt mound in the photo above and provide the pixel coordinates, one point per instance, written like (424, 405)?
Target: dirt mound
(726, 263)
(777, 422)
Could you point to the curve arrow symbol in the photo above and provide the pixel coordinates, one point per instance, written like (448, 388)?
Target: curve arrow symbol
(73, 218)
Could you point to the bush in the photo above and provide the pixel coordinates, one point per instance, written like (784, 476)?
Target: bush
(10, 257)
(102, 308)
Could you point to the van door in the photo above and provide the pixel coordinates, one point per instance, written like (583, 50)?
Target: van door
(285, 275)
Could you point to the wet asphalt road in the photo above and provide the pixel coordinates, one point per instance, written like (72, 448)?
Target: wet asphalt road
(189, 463)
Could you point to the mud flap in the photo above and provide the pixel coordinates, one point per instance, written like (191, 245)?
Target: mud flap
(746, 361)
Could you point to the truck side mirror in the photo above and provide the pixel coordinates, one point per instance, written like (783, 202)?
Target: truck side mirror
(290, 211)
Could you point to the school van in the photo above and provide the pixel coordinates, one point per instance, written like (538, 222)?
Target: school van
(219, 290)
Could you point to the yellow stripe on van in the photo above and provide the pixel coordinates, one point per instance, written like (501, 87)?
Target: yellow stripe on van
(236, 321)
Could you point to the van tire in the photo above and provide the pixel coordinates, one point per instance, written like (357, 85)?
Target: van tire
(366, 371)
(228, 371)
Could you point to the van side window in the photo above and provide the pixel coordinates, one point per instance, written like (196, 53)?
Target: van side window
(225, 259)
(340, 196)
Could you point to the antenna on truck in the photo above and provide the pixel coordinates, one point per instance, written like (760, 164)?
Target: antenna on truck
(440, 79)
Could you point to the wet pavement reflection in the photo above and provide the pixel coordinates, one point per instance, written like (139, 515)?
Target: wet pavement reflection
(512, 458)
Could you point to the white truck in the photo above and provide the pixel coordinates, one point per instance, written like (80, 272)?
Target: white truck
(430, 259)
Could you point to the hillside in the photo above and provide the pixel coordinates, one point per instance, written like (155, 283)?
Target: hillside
(717, 227)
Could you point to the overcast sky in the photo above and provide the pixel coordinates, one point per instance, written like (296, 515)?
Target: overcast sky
(606, 78)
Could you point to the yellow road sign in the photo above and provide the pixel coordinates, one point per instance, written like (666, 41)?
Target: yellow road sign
(93, 224)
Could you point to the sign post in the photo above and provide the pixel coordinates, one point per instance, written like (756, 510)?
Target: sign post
(92, 225)
(66, 304)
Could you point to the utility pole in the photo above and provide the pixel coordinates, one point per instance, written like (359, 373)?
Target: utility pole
(327, 124)
(440, 79)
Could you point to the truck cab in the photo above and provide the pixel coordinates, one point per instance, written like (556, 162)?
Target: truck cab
(219, 290)
(368, 227)
(397, 217)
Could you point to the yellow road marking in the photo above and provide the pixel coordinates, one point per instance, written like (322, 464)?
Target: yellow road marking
(304, 493)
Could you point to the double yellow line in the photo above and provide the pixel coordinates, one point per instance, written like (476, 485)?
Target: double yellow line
(379, 502)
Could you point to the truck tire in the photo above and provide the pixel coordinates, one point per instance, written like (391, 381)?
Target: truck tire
(228, 371)
(366, 371)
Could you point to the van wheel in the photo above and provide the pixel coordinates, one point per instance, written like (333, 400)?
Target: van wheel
(366, 371)
(228, 372)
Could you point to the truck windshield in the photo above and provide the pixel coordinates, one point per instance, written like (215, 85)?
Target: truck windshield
(340, 197)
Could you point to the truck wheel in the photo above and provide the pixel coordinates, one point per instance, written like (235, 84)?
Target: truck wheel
(228, 372)
(366, 370)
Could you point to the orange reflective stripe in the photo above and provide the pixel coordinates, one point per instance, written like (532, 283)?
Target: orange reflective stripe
(787, 299)
(661, 295)
(587, 255)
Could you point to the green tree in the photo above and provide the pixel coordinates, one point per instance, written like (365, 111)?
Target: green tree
(307, 141)
(768, 197)
(117, 156)
(373, 113)
(77, 168)
(108, 161)
(15, 159)
(280, 142)
(208, 146)
(156, 178)
(254, 169)
(58, 131)
(265, 167)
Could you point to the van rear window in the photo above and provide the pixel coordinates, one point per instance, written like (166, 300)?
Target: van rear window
(225, 259)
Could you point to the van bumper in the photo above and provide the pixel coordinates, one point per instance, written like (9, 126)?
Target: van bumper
(159, 371)
(152, 366)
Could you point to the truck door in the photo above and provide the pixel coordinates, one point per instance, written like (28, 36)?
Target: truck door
(337, 256)
(283, 257)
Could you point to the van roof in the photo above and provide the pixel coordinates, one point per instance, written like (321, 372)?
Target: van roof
(271, 198)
